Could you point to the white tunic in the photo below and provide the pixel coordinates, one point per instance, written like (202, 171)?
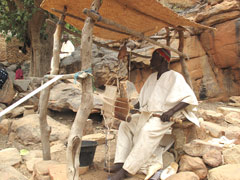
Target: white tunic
(67, 48)
(140, 142)
(158, 96)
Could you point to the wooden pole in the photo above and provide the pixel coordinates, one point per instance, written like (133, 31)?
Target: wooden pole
(44, 96)
(75, 137)
(182, 60)
(97, 17)
(168, 37)
(57, 44)
(44, 128)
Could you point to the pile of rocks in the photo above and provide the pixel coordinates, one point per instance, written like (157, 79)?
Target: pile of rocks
(214, 153)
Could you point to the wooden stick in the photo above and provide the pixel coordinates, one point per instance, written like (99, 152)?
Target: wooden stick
(67, 76)
(56, 45)
(44, 96)
(81, 19)
(182, 60)
(97, 17)
(85, 108)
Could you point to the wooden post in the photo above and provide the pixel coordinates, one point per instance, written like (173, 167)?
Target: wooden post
(44, 128)
(44, 96)
(75, 137)
(182, 60)
(168, 37)
(56, 44)
(97, 17)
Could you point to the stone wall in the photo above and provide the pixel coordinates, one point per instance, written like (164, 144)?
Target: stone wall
(9, 51)
(214, 55)
(3, 52)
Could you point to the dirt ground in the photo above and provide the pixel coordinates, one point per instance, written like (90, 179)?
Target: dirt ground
(95, 171)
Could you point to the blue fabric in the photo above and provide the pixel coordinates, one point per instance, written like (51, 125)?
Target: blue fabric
(89, 71)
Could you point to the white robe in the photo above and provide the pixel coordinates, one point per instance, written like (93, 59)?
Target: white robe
(140, 143)
(67, 47)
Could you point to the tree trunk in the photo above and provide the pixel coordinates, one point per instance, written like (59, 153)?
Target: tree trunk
(44, 97)
(75, 137)
(41, 48)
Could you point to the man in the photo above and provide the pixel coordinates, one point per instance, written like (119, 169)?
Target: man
(66, 50)
(67, 47)
(164, 95)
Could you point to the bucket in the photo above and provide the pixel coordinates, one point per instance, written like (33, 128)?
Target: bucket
(88, 149)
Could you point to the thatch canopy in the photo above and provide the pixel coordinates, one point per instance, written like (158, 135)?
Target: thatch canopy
(147, 16)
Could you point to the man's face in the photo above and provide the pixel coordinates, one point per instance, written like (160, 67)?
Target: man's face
(156, 61)
(65, 38)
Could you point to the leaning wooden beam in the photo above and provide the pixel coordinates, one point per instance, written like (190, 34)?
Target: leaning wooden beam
(182, 60)
(81, 19)
(97, 17)
(75, 137)
(44, 96)
(81, 75)
(98, 43)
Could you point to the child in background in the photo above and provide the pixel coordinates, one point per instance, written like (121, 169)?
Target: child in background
(19, 73)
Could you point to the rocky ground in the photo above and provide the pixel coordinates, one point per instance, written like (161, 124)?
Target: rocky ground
(210, 152)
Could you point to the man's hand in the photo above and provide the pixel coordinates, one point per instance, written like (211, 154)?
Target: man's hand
(167, 115)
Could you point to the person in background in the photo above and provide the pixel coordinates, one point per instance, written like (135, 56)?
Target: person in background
(19, 73)
(67, 47)
(164, 96)
(3, 75)
(66, 50)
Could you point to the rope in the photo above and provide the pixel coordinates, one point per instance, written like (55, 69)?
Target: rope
(99, 16)
(89, 72)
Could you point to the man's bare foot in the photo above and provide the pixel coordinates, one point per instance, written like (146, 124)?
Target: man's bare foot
(116, 167)
(120, 175)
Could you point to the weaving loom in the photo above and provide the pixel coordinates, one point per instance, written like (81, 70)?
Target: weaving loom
(114, 107)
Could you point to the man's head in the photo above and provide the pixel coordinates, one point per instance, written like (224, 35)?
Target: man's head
(65, 38)
(160, 59)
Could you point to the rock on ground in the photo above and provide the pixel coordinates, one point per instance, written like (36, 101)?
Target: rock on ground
(184, 176)
(10, 157)
(27, 129)
(194, 164)
(232, 155)
(199, 148)
(10, 173)
(225, 172)
(213, 158)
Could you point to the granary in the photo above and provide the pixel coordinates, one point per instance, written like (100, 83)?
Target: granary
(114, 20)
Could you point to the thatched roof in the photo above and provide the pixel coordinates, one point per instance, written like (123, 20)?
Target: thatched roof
(146, 16)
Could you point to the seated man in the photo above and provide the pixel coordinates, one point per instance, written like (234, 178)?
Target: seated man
(164, 95)
(67, 47)
(66, 50)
